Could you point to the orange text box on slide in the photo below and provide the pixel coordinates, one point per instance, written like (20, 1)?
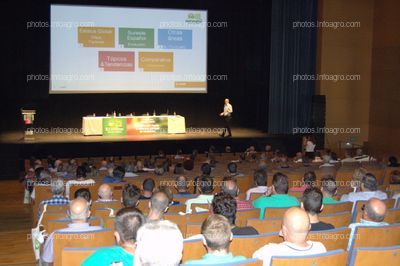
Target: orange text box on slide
(190, 84)
(117, 61)
(96, 36)
(156, 61)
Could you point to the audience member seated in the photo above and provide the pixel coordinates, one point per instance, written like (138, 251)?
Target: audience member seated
(327, 161)
(158, 205)
(43, 178)
(260, 182)
(217, 234)
(105, 193)
(188, 163)
(117, 176)
(103, 165)
(232, 170)
(309, 180)
(83, 193)
(147, 188)
(373, 214)
(158, 243)
(205, 171)
(230, 187)
(226, 205)
(358, 175)
(79, 213)
(80, 180)
(182, 187)
(178, 169)
(276, 196)
(361, 157)
(369, 189)
(206, 188)
(392, 162)
(394, 177)
(57, 189)
(348, 158)
(328, 189)
(312, 204)
(127, 223)
(130, 195)
(295, 228)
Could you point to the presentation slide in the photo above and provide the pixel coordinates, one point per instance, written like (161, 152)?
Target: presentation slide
(96, 49)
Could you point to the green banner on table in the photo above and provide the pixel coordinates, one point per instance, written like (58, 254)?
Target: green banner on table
(114, 126)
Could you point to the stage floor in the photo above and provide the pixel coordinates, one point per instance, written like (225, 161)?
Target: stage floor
(195, 133)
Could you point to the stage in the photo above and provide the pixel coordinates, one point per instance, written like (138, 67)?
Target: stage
(14, 149)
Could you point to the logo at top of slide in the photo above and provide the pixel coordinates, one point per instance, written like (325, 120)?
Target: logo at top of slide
(96, 36)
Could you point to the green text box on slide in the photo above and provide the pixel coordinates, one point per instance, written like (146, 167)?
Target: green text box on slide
(114, 126)
(136, 38)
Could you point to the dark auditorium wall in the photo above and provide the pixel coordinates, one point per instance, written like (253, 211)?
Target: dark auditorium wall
(240, 51)
(384, 132)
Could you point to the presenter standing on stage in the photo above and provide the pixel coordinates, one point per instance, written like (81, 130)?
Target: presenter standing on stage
(227, 115)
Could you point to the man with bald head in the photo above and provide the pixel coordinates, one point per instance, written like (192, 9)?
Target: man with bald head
(158, 205)
(105, 193)
(78, 213)
(295, 228)
(229, 186)
(373, 214)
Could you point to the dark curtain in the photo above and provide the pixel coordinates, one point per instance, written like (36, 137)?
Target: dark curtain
(293, 52)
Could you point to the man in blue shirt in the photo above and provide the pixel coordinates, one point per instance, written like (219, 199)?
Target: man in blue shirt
(373, 214)
(127, 222)
(217, 234)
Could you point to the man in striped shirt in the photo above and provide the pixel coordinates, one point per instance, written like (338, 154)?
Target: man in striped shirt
(57, 188)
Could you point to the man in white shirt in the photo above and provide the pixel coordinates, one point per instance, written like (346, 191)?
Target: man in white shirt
(369, 189)
(227, 115)
(206, 188)
(80, 180)
(295, 228)
(260, 180)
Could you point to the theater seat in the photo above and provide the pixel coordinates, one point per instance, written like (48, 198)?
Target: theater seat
(265, 226)
(372, 256)
(243, 215)
(330, 258)
(88, 239)
(247, 245)
(337, 207)
(76, 256)
(248, 262)
(193, 250)
(332, 239)
(340, 219)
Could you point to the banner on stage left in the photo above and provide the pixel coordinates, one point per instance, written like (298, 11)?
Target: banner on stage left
(114, 126)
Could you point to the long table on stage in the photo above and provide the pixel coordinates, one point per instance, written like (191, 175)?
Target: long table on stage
(132, 125)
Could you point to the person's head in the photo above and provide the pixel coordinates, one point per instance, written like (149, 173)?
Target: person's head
(393, 161)
(226, 101)
(168, 192)
(130, 195)
(79, 210)
(359, 152)
(309, 179)
(328, 186)
(57, 186)
(225, 205)
(326, 158)
(148, 185)
(312, 201)
(263, 167)
(295, 225)
(179, 169)
(43, 175)
(181, 184)
(229, 186)
(159, 243)
(118, 173)
(232, 168)
(158, 205)
(217, 233)
(395, 177)
(206, 169)
(374, 210)
(369, 183)
(105, 192)
(127, 223)
(358, 175)
(81, 172)
(206, 185)
(159, 170)
(260, 178)
(83, 193)
(280, 184)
